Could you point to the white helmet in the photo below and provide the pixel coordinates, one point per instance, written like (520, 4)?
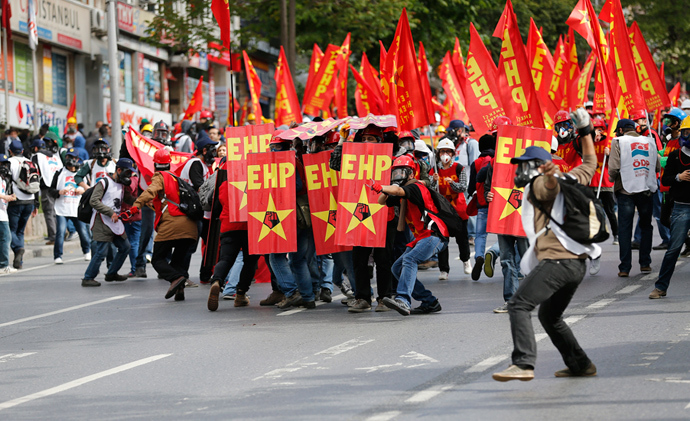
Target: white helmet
(420, 146)
(685, 105)
(445, 144)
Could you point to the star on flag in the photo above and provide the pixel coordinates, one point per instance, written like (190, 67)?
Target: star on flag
(241, 186)
(362, 212)
(513, 198)
(328, 216)
(271, 219)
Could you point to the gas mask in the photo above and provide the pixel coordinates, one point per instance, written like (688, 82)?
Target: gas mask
(5, 171)
(526, 171)
(210, 155)
(685, 138)
(124, 177)
(400, 175)
(445, 158)
(565, 133)
(72, 161)
(101, 151)
(421, 156)
(407, 144)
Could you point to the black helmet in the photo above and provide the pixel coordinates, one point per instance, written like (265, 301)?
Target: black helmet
(161, 133)
(101, 149)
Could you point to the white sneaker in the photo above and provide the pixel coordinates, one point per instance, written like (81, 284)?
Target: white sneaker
(595, 266)
(443, 276)
(468, 267)
(148, 258)
(457, 258)
(7, 269)
(87, 256)
(58, 261)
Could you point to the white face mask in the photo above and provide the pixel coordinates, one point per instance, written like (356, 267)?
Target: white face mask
(445, 158)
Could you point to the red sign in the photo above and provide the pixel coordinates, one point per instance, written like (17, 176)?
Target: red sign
(322, 188)
(505, 211)
(361, 220)
(272, 222)
(241, 141)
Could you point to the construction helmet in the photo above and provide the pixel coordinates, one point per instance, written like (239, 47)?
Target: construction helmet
(206, 114)
(685, 124)
(561, 116)
(500, 121)
(403, 167)
(598, 122)
(445, 144)
(637, 114)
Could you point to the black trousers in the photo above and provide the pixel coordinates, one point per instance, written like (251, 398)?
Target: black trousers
(464, 246)
(609, 203)
(176, 251)
(551, 285)
(383, 260)
(231, 243)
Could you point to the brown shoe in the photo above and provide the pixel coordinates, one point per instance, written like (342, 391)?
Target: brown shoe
(241, 300)
(514, 373)
(623, 274)
(274, 298)
(590, 371)
(213, 293)
(656, 294)
(174, 286)
(645, 269)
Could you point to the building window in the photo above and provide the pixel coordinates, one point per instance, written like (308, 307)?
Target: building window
(152, 84)
(23, 70)
(125, 77)
(59, 80)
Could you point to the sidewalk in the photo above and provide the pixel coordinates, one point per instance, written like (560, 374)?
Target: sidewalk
(34, 244)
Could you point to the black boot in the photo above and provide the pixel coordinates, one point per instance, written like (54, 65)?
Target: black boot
(18, 258)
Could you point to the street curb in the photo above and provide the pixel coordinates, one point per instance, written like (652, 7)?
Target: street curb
(33, 251)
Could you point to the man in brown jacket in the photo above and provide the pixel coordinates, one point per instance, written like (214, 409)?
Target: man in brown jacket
(176, 233)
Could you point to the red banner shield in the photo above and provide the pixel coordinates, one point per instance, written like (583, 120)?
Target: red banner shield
(361, 220)
(505, 211)
(240, 142)
(141, 149)
(272, 222)
(322, 188)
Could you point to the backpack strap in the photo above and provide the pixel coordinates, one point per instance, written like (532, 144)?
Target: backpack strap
(539, 206)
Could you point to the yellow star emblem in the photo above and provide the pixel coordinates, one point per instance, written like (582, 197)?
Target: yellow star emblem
(585, 16)
(397, 77)
(513, 198)
(362, 212)
(241, 186)
(328, 216)
(271, 219)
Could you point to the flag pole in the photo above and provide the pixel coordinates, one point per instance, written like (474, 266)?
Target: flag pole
(601, 177)
(7, 79)
(34, 114)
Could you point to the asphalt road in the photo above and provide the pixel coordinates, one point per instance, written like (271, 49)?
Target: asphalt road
(122, 351)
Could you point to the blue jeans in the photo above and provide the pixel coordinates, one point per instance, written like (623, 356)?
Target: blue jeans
(342, 262)
(133, 231)
(18, 216)
(5, 240)
(471, 226)
(70, 227)
(80, 227)
(233, 277)
(656, 212)
(325, 264)
(511, 249)
(480, 239)
(148, 216)
(626, 213)
(99, 252)
(405, 269)
(680, 224)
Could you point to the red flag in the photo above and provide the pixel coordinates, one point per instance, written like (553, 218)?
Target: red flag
(272, 221)
(482, 99)
(541, 65)
(287, 104)
(341, 90)
(243, 115)
(254, 87)
(401, 82)
(459, 65)
(577, 91)
(196, 102)
(572, 67)
(6, 16)
(221, 11)
(322, 188)
(662, 76)
(361, 101)
(361, 220)
(653, 86)
(624, 61)
(314, 64)
(423, 68)
(451, 86)
(557, 85)
(321, 91)
(72, 112)
(505, 210)
(141, 149)
(382, 57)
(240, 142)
(368, 98)
(514, 78)
(674, 95)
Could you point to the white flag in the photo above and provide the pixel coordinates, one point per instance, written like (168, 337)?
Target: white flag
(33, 29)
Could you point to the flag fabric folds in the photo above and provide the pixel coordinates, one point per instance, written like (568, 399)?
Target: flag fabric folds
(196, 102)
(287, 104)
(254, 87)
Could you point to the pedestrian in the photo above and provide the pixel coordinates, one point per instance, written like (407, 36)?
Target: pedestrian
(5, 198)
(25, 187)
(554, 265)
(47, 163)
(97, 168)
(106, 226)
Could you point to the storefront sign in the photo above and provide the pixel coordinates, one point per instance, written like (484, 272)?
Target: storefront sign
(60, 22)
(132, 19)
(21, 114)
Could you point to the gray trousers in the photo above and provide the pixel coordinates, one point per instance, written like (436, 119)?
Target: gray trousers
(48, 206)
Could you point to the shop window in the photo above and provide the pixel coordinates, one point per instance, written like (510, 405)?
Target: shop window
(152, 84)
(23, 70)
(125, 77)
(59, 79)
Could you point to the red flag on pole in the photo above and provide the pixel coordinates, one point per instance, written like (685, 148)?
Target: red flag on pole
(341, 90)
(556, 88)
(451, 86)
(314, 64)
(572, 66)
(459, 65)
(6, 16)
(142, 149)
(674, 95)
(653, 86)
(368, 98)
(254, 87)
(196, 102)
(221, 11)
(423, 68)
(541, 65)
(287, 104)
(577, 91)
(272, 221)
(321, 91)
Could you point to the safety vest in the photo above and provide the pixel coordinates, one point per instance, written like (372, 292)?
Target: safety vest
(599, 150)
(456, 199)
(97, 172)
(480, 163)
(172, 194)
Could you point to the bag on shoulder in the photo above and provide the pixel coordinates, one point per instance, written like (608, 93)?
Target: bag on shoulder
(189, 204)
(447, 213)
(206, 192)
(29, 180)
(584, 219)
(303, 213)
(85, 210)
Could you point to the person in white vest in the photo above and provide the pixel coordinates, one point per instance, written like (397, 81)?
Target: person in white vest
(97, 168)
(633, 166)
(26, 205)
(554, 265)
(66, 195)
(5, 197)
(106, 227)
(48, 164)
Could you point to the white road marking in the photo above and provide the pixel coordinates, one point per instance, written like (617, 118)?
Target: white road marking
(79, 382)
(20, 271)
(670, 380)
(629, 289)
(649, 277)
(428, 394)
(601, 303)
(687, 406)
(487, 363)
(419, 357)
(540, 337)
(651, 358)
(679, 262)
(652, 353)
(4, 358)
(64, 310)
(344, 347)
(571, 320)
(301, 309)
(639, 365)
(378, 367)
(384, 416)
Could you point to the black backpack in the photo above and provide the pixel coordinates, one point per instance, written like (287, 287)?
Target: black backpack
(190, 204)
(84, 211)
(447, 214)
(584, 219)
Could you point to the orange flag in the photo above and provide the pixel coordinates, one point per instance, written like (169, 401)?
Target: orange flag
(254, 87)
(482, 98)
(287, 104)
(653, 86)
(321, 91)
(221, 11)
(451, 86)
(316, 57)
(541, 64)
(514, 76)
(196, 102)
(459, 65)
(401, 82)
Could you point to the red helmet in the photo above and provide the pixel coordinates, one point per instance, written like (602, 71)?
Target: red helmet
(162, 156)
(598, 122)
(637, 114)
(405, 133)
(206, 114)
(372, 130)
(332, 137)
(561, 116)
(501, 121)
(404, 161)
(277, 139)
